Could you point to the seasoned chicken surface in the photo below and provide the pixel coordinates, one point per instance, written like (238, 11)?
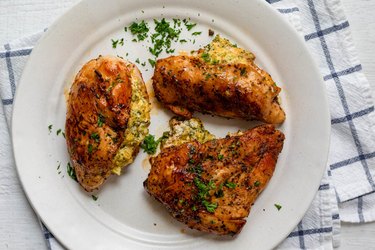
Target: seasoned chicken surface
(99, 115)
(220, 79)
(212, 186)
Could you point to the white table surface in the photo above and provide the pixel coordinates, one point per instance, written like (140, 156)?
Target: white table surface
(18, 225)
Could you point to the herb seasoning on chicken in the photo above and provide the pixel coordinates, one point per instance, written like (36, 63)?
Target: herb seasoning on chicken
(211, 186)
(220, 79)
(107, 118)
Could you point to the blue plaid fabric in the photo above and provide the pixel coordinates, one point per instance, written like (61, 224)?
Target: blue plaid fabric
(349, 181)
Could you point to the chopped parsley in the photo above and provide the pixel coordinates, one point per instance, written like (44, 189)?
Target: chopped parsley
(94, 197)
(101, 120)
(210, 207)
(206, 57)
(140, 30)
(163, 37)
(203, 191)
(152, 62)
(220, 157)
(63, 134)
(189, 25)
(194, 208)
(50, 128)
(230, 184)
(149, 145)
(95, 137)
(278, 206)
(114, 43)
(257, 183)
(58, 131)
(71, 172)
(90, 148)
(137, 60)
(203, 188)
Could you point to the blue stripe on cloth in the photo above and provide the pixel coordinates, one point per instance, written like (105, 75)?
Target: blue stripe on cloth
(10, 69)
(47, 236)
(341, 93)
(14, 53)
(352, 160)
(360, 209)
(344, 72)
(324, 187)
(301, 233)
(288, 10)
(353, 115)
(7, 101)
(327, 31)
(273, 1)
(300, 236)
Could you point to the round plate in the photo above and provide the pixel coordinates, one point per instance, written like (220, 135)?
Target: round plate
(124, 215)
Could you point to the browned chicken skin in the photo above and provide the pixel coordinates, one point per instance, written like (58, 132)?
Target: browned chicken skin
(212, 186)
(233, 89)
(97, 114)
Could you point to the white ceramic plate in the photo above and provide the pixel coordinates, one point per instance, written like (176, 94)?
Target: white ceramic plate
(124, 216)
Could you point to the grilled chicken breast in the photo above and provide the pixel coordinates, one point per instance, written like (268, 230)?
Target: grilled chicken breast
(107, 118)
(212, 186)
(220, 79)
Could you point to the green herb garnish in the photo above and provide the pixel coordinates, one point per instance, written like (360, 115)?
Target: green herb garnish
(210, 207)
(94, 197)
(206, 57)
(50, 128)
(188, 25)
(95, 137)
(230, 184)
(278, 206)
(203, 188)
(197, 33)
(90, 148)
(140, 30)
(58, 131)
(220, 157)
(101, 120)
(149, 145)
(114, 43)
(257, 183)
(152, 62)
(71, 172)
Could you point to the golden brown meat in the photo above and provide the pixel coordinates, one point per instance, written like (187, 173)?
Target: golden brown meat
(99, 110)
(220, 79)
(212, 186)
